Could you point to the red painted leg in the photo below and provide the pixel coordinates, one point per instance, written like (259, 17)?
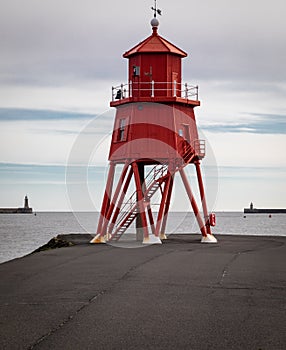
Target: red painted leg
(114, 199)
(106, 198)
(140, 200)
(193, 203)
(203, 197)
(151, 219)
(166, 212)
(163, 204)
(120, 201)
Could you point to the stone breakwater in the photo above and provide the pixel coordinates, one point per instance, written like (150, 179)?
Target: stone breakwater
(16, 211)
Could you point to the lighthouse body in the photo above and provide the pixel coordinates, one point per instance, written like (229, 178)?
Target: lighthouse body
(154, 126)
(158, 131)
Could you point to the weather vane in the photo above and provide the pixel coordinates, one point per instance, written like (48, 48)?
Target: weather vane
(156, 10)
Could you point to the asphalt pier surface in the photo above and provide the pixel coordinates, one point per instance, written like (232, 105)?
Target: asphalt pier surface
(178, 295)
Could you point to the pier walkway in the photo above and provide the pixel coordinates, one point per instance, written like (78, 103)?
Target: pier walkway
(178, 295)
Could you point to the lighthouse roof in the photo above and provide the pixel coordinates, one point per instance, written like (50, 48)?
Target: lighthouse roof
(155, 43)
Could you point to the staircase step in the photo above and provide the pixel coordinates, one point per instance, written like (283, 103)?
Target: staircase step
(153, 179)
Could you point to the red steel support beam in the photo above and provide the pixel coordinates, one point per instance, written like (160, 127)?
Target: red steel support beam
(120, 201)
(163, 204)
(168, 201)
(140, 199)
(151, 219)
(203, 197)
(114, 199)
(193, 203)
(106, 197)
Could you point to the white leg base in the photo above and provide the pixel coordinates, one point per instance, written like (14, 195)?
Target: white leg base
(209, 239)
(152, 239)
(98, 239)
(162, 236)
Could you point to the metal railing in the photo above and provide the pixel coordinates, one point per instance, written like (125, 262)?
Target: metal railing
(155, 89)
(200, 148)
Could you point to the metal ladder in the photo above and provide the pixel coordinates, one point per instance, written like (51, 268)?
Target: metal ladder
(129, 210)
(189, 154)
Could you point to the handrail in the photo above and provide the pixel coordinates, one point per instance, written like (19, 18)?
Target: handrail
(156, 89)
(200, 147)
(151, 180)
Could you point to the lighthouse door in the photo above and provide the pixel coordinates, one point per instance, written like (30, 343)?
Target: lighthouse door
(186, 135)
(174, 83)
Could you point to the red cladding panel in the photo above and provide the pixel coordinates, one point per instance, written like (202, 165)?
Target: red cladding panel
(151, 130)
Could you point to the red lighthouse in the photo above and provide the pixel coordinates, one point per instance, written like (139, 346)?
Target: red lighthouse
(154, 138)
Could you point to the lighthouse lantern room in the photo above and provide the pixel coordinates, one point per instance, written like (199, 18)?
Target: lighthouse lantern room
(154, 138)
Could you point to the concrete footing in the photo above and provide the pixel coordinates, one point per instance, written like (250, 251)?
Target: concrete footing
(98, 239)
(152, 239)
(208, 239)
(162, 236)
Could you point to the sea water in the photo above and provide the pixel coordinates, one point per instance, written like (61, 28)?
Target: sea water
(21, 234)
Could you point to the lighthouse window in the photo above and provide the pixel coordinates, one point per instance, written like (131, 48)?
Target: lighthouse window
(136, 71)
(181, 133)
(121, 130)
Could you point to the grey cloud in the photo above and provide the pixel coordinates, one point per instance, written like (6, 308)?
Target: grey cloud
(99, 131)
(261, 124)
(14, 114)
(53, 42)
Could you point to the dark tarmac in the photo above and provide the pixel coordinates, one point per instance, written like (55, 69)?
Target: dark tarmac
(178, 295)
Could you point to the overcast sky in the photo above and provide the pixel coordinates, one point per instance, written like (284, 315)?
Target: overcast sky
(59, 60)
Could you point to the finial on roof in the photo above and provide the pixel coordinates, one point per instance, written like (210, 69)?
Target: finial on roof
(154, 22)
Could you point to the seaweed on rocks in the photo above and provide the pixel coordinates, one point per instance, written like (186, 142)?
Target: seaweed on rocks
(55, 242)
